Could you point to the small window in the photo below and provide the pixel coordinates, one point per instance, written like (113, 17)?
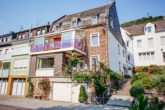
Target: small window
(119, 67)
(2, 40)
(74, 24)
(38, 32)
(152, 55)
(150, 42)
(118, 49)
(57, 28)
(139, 43)
(162, 39)
(30, 34)
(0, 51)
(23, 36)
(129, 57)
(6, 51)
(111, 22)
(19, 37)
(123, 53)
(140, 56)
(148, 29)
(6, 39)
(164, 56)
(46, 62)
(43, 31)
(60, 25)
(127, 43)
(94, 20)
(94, 61)
(95, 40)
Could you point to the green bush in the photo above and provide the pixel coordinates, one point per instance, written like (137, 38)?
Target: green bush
(134, 78)
(100, 88)
(138, 77)
(82, 94)
(146, 83)
(145, 69)
(136, 91)
(159, 83)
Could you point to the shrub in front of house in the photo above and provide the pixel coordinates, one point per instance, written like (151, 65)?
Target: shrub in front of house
(145, 69)
(82, 94)
(136, 91)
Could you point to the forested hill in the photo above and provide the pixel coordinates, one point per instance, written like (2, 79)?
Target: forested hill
(142, 21)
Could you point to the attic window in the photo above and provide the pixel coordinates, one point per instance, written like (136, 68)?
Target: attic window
(60, 25)
(74, 24)
(149, 29)
(78, 21)
(57, 28)
(94, 20)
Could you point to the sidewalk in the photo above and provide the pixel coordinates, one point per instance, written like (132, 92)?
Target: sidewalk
(52, 105)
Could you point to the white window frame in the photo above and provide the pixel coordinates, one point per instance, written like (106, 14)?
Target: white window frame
(91, 35)
(98, 56)
(139, 46)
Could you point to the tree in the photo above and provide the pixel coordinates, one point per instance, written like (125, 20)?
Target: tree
(82, 94)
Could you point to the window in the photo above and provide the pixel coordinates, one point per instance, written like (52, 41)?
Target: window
(146, 56)
(6, 39)
(150, 42)
(162, 39)
(148, 29)
(94, 20)
(140, 56)
(6, 51)
(20, 63)
(43, 31)
(19, 37)
(23, 36)
(6, 65)
(119, 67)
(94, 61)
(164, 56)
(60, 25)
(123, 53)
(38, 32)
(139, 43)
(57, 28)
(0, 51)
(94, 40)
(119, 49)
(74, 24)
(30, 34)
(47, 62)
(127, 43)
(129, 57)
(2, 40)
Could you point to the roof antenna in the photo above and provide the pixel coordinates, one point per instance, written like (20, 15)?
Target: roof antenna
(38, 22)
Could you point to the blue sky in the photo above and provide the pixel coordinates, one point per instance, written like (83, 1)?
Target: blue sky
(14, 13)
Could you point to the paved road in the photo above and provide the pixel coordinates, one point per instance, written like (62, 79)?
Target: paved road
(23, 103)
(8, 107)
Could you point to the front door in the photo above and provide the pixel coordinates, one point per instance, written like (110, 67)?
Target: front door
(3, 86)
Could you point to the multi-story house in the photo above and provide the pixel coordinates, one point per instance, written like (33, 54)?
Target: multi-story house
(5, 60)
(93, 35)
(20, 60)
(147, 43)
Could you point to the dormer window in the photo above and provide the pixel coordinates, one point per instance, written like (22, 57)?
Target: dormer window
(94, 20)
(57, 28)
(38, 32)
(23, 36)
(43, 31)
(148, 29)
(74, 24)
(19, 37)
(60, 25)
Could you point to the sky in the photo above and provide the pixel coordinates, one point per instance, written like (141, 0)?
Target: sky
(15, 14)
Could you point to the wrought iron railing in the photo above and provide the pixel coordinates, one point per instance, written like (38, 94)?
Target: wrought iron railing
(58, 45)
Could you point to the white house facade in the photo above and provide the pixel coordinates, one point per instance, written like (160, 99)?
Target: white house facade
(146, 43)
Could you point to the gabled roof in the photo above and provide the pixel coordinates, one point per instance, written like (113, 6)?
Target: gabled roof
(135, 30)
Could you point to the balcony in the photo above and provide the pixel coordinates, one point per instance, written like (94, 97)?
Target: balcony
(4, 73)
(58, 46)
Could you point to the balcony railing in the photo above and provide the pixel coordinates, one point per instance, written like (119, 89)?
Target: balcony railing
(58, 45)
(4, 73)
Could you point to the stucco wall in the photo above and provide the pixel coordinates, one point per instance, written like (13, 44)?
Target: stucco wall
(24, 71)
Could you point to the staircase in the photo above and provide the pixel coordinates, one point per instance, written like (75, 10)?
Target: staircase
(122, 97)
(124, 88)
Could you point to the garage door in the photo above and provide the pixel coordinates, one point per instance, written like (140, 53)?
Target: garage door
(65, 92)
(18, 86)
(3, 86)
